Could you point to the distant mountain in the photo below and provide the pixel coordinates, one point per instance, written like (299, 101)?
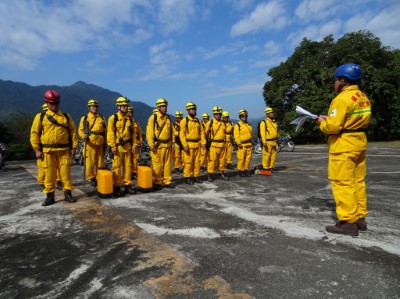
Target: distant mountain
(21, 97)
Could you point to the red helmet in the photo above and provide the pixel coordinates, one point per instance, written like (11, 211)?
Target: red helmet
(51, 96)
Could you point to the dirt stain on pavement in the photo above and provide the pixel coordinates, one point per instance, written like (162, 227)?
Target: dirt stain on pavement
(173, 270)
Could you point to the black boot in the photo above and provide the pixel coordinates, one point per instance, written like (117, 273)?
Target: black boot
(129, 190)
(224, 177)
(68, 196)
(93, 182)
(242, 174)
(117, 192)
(230, 166)
(49, 199)
(197, 180)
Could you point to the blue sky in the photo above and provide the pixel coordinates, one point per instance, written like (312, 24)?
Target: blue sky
(207, 51)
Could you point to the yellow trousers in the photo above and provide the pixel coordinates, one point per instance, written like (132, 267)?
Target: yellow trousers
(192, 163)
(216, 159)
(94, 159)
(203, 157)
(269, 156)
(228, 152)
(41, 172)
(122, 168)
(53, 162)
(244, 155)
(347, 171)
(161, 165)
(178, 156)
(135, 160)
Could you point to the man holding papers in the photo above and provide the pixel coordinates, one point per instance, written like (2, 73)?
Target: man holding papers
(347, 120)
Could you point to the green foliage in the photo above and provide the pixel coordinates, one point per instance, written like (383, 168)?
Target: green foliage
(5, 134)
(311, 67)
(20, 152)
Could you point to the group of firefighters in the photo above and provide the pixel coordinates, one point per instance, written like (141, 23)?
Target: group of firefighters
(186, 145)
(192, 143)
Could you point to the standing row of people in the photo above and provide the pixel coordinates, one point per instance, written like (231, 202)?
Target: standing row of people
(188, 142)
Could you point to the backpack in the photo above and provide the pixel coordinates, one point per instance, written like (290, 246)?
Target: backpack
(258, 128)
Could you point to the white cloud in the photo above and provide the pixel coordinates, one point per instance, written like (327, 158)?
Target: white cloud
(175, 15)
(311, 10)
(266, 16)
(271, 48)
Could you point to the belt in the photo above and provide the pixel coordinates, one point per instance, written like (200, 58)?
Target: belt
(124, 142)
(246, 141)
(192, 140)
(352, 131)
(55, 145)
(270, 139)
(97, 133)
(163, 141)
(218, 141)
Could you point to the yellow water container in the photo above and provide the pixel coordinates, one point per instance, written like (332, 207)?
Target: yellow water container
(145, 178)
(104, 183)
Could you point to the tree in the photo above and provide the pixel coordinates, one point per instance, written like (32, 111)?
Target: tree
(311, 68)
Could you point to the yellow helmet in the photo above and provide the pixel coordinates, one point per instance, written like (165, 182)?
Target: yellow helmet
(92, 103)
(242, 112)
(217, 109)
(130, 108)
(155, 110)
(191, 105)
(225, 114)
(44, 107)
(178, 113)
(122, 101)
(161, 102)
(205, 115)
(268, 110)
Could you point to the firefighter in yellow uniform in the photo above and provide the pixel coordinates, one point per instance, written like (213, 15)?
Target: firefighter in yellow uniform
(243, 135)
(53, 138)
(203, 152)
(346, 123)
(177, 154)
(138, 143)
(39, 162)
(216, 133)
(160, 137)
(269, 137)
(228, 139)
(193, 139)
(121, 137)
(93, 129)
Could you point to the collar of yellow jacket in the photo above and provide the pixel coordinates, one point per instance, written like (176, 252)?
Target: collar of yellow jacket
(350, 87)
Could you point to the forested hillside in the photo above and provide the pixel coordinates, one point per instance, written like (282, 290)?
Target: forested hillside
(17, 98)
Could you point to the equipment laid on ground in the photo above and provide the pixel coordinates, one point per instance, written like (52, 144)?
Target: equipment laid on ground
(104, 183)
(145, 178)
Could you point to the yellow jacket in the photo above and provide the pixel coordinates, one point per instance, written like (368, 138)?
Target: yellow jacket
(160, 131)
(229, 131)
(49, 136)
(348, 117)
(269, 131)
(95, 127)
(243, 134)
(121, 132)
(191, 132)
(139, 133)
(216, 131)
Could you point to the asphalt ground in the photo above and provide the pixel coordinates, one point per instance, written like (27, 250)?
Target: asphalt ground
(257, 237)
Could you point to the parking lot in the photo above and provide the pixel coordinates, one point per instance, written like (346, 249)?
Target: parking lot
(257, 237)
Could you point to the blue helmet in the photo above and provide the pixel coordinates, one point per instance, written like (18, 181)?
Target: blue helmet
(350, 70)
